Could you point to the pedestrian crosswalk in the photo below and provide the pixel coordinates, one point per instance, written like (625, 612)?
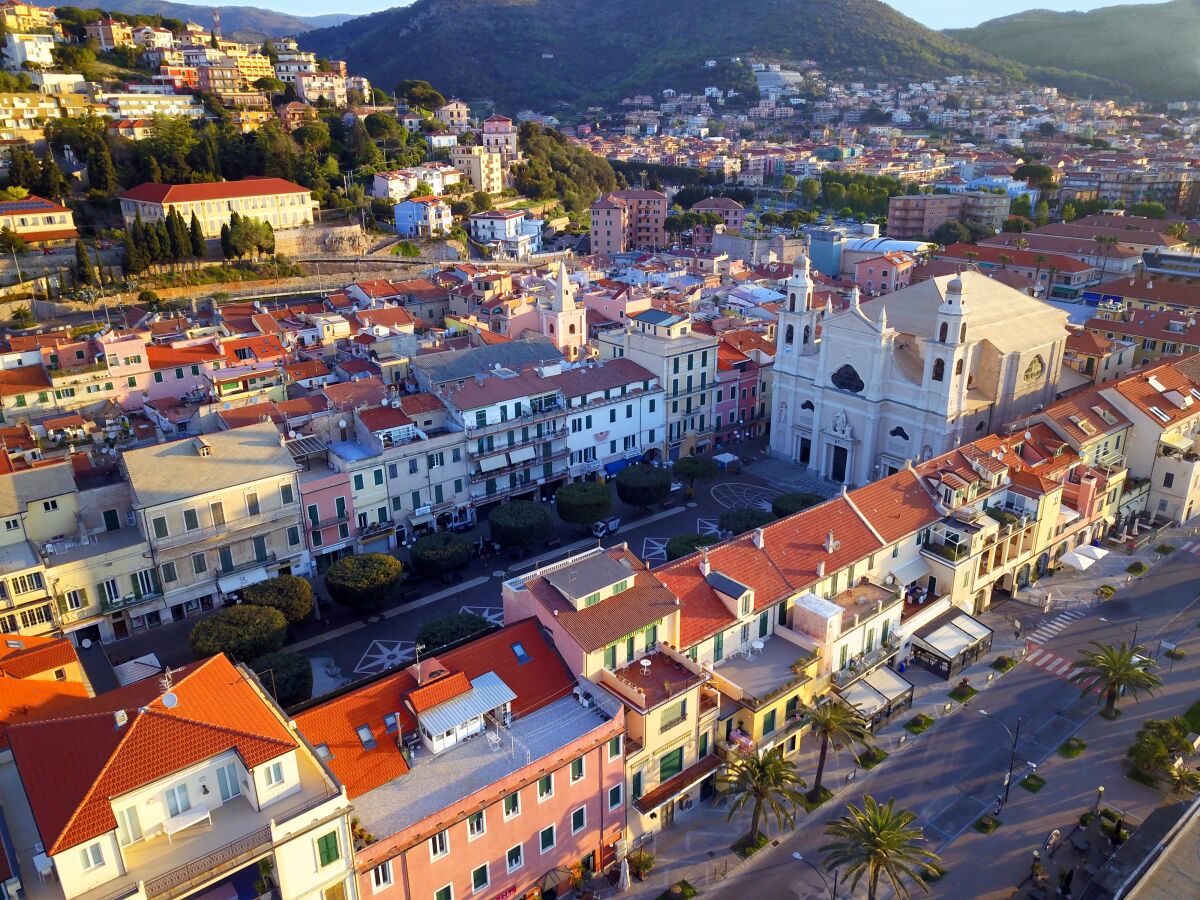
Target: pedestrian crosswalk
(1192, 547)
(1051, 627)
(1053, 664)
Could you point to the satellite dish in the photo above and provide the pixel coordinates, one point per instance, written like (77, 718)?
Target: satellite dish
(86, 643)
(170, 701)
(341, 423)
(1028, 436)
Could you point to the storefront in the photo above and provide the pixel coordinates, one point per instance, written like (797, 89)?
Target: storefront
(951, 642)
(878, 696)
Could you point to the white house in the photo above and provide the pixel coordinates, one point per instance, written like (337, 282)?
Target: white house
(509, 233)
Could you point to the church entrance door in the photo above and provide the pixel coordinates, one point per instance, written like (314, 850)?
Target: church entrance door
(837, 463)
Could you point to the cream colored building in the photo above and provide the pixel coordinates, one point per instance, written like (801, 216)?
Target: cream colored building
(485, 168)
(282, 203)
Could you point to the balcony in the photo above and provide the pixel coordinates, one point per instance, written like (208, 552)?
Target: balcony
(862, 664)
(554, 434)
(258, 562)
(524, 465)
(73, 371)
(541, 414)
(755, 679)
(950, 552)
(129, 600)
(226, 528)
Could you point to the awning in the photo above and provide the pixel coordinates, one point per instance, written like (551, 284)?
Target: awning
(1077, 561)
(1096, 553)
(521, 454)
(487, 692)
(972, 626)
(492, 463)
(889, 683)
(910, 571)
(864, 699)
(673, 787)
(617, 465)
(1177, 441)
(952, 634)
(238, 580)
(421, 519)
(725, 459)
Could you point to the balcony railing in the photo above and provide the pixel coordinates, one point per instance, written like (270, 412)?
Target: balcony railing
(541, 414)
(62, 374)
(671, 723)
(290, 511)
(477, 477)
(554, 434)
(125, 602)
(864, 664)
(265, 559)
(236, 853)
(951, 552)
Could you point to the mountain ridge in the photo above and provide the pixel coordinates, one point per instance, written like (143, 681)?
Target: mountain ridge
(249, 20)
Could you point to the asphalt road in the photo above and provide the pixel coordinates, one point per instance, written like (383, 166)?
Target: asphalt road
(952, 775)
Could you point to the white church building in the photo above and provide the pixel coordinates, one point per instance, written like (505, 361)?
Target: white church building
(907, 376)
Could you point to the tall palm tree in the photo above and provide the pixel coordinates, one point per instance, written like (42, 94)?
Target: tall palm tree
(837, 726)
(878, 841)
(1005, 259)
(1021, 244)
(1183, 780)
(1040, 259)
(1108, 669)
(1107, 243)
(770, 782)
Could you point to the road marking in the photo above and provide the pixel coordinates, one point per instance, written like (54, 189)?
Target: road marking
(654, 548)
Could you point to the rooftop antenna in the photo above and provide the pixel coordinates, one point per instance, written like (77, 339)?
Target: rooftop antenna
(417, 648)
(169, 699)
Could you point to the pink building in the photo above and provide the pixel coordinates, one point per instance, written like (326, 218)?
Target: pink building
(629, 220)
(480, 772)
(732, 213)
(616, 301)
(725, 395)
(328, 504)
(884, 274)
(179, 371)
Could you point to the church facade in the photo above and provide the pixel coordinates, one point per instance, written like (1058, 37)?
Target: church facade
(908, 376)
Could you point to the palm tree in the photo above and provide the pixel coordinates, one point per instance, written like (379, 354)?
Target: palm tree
(837, 726)
(1108, 670)
(1183, 780)
(1159, 742)
(769, 782)
(1040, 259)
(1005, 259)
(878, 841)
(1107, 243)
(1021, 244)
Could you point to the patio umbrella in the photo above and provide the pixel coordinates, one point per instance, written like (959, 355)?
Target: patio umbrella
(1075, 561)
(623, 879)
(1091, 552)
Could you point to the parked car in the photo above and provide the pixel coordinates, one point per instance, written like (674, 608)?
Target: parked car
(606, 526)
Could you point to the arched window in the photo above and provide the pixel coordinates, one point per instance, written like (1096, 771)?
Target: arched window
(792, 302)
(939, 370)
(958, 367)
(790, 335)
(942, 332)
(571, 329)
(962, 332)
(552, 328)
(807, 334)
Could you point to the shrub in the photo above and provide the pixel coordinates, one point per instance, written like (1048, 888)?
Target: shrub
(1175, 653)
(918, 723)
(287, 676)
(290, 594)
(1137, 567)
(643, 485)
(1164, 549)
(789, 504)
(1003, 663)
(694, 468)
(583, 502)
(448, 629)
(364, 582)
(744, 518)
(683, 544)
(240, 632)
(987, 824)
(1071, 748)
(435, 554)
(519, 523)
(147, 298)
(1033, 782)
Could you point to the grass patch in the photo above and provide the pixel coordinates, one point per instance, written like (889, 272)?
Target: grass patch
(872, 757)
(1106, 591)
(810, 805)
(1149, 779)
(1164, 549)
(962, 693)
(918, 723)
(987, 825)
(1137, 567)
(407, 249)
(1003, 663)
(679, 889)
(1033, 782)
(1071, 748)
(1192, 717)
(745, 846)
(1175, 654)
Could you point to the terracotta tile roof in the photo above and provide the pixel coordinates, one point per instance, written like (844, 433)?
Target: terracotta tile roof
(23, 380)
(393, 317)
(896, 506)
(419, 289)
(1139, 390)
(252, 414)
(537, 682)
(438, 691)
(614, 373)
(254, 186)
(303, 406)
(986, 253)
(381, 418)
(1076, 414)
(364, 392)
(419, 403)
(160, 356)
(261, 347)
(379, 287)
(35, 655)
(1089, 343)
(487, 336)
(306, 368)
(27, 699)
(356, 367)
(71, 766)
(1166, 325)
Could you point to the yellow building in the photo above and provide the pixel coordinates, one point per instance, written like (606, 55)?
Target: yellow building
(25, 18)
(484, 168)
(282, 203)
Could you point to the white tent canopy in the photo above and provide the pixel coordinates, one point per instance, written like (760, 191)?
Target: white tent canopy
(1096, 553)
(1076, 561)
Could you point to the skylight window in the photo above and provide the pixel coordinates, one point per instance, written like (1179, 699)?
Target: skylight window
(519, 652)
(391, 723)
(323, 751)
(365, 735)
(1160, 414)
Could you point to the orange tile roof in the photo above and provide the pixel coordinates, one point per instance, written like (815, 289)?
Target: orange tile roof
(437, 692)
(896, 506)
(72, 765)
(1138, 390)
(422, 402)
(35, 655)
(253, 186)
(23, 380)
(160, 356)
(27, 699)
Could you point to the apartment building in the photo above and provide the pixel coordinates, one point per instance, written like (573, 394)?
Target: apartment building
(177, 787)
(110, 33)
(732, 213)
(21, 113)
(220, 511)
(499, 135)
(454, 115)
(685, 363)
(917, 215)
(313, 87)
(508, 234)
(629, 220)
(483, 770)
(422, 217)
(325, 496)
(147, 106)
(283, 204)
(483, 168)
(36, 220)
(1055, 277)
(35, 49)
(1151, 336)
(25, 17)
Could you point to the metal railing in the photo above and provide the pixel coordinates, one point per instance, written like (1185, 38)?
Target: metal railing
(263, 560)
(290, 511)
(863, 665)
(205, 868)
(538, 415)
(107, 605)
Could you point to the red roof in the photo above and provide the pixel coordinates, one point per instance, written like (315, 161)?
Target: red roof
(35, 655)
(27, 699)
(382, 418)
(986, 253)
(439, 691)
(253, 186)
(72, 766)
(23, 380)
(364, 392)
(160, 356)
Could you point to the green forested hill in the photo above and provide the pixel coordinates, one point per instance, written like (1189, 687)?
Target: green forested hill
(1153, 49)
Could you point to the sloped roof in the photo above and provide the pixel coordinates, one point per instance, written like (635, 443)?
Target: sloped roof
(23, 656)
(254, 186)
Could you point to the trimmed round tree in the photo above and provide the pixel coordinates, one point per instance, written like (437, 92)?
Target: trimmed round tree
(241, 632)
(436, 554)
(694, 468)
(440, 632)
(519, 523)
(364, 582)
(288, 676)
(643, 485)
(683, 544)
(290, 594)
(583, 502)
(792, 503)
(744, 518)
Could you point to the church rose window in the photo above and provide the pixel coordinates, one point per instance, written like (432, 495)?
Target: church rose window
(847, 379)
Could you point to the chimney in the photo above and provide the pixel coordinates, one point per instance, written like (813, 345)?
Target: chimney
(759, 538)
(821, 568)
(705, 568)
(120, 718)
(829, 541)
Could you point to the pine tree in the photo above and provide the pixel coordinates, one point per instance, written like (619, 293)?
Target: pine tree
(133, 259)
(23, 171)
(181, 242)
(154, 253)
(164, 241)
(101, 171)
(85, 275)
(196, 234)
(51, 183)
(226, 242)
(155, 171)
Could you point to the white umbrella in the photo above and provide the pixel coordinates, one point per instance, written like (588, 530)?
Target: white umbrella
(1091, 552)
(623, 879)
(1075, 561)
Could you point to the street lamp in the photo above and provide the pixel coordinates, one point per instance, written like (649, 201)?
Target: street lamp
(1012, 759)
(799, 857)
(1136, 626)
(1099, 797)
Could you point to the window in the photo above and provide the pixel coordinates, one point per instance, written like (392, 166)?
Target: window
(545, 787)
(129, 828)
(512, 805)
(445, 893)
(218, 512)
(365, 735)
(191, 521)
(252, 504)
(520, 654)
(287, 496)
(327, 848)
(476, 825)
(439, 845)
(610, 657)
(576, 769)
(939, 369)
(579, 820)
(381, 876)
(636, 785)
(515, 858)
(547, 840)
(358, 481)
(159, 524)
(178, 800)
(199, 564)
(274, 774)
(614, 796)
(49, 505)
(479, 878)
(169, 575)
(91, 856)
(1168, 479)
(293, 536)
(614, 747)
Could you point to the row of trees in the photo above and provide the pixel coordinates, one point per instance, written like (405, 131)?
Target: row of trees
(244, 236)
(170, 241)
